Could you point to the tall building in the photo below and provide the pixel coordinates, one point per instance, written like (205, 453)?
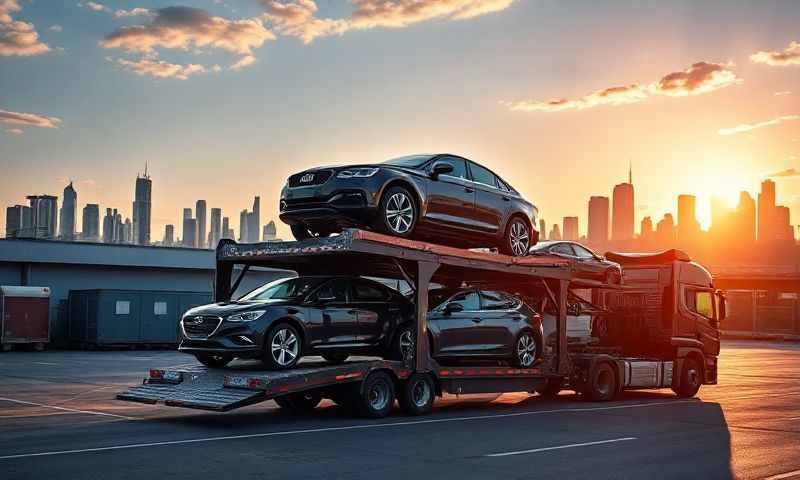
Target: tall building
(127, 231)
(189, 232)
(18, 221)
(254, 223)
(665, 231)
(622, 215)
(227, 231)
(200, 215)
(90, 230)
(598, 220)
(270, 232)
(215, 230)
(646, 229)
(44, 211)
(244, 219)
(555, 233)
(766, 211)
(746, 219)
(118, 227)
(570, 230)
(783, 227)
(542, 230)
(66, 220)
(108, 227)
(688, 229)
(141, 209)
(169, 235)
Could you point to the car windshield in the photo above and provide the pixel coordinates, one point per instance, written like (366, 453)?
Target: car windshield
(284, 289)
(413, 161)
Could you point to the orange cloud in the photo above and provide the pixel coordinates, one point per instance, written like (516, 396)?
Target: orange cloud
(789, 172)
(243, 62)
(17, 37)
(789, 56)
(158, 68)
(298, 19)
(746, 127)
(28, 119)
(14, 131)
(702, 77)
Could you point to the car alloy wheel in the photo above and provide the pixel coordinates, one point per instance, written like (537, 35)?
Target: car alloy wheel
(406, 342)
(519, 238)
(526, 350)
(399, 213)
(285, 347)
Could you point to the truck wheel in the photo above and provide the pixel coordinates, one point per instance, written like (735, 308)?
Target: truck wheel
(299, 402)
(377, 395)
(691, 379)
(335, 358)
(602, 384)
(550, 388)
(283, 348)
(213, 360)
(417, 394)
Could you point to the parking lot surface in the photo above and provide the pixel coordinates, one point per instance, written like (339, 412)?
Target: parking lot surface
(59, 419)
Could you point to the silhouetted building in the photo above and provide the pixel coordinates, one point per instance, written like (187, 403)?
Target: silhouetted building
(622, 218)
(688, 228)
(665, 231)
(227, 231)
(18, 222)
(542, 230)
(766, 211)
(646, 229)
(169, 235)
(215, 230)
(243, 224)
(127, 231)
(200, 215)
(570, 229)
(270, 232)
(189, 232)
(66, 218)
(746, 219)
(90, 230)
(254, 224)
(141, 209)
(598, 220)
(783, 227)
(44, 220)
(108, 227)
(555, 233)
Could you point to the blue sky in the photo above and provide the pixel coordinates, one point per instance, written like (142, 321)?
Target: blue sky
(396, 80)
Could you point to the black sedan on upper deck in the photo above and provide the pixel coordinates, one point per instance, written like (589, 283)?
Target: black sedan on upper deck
(588, 264)
(443, 198)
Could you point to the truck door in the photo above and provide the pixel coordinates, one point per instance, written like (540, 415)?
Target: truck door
(699, 304)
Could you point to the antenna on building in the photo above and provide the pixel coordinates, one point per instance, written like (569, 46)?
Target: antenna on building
(630, 171)
(145, 169)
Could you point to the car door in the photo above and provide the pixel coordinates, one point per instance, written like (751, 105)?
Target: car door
(589, 261)
(491, 204)
(451, 197)
(499, 320)
(375, 313)
(456, 333)
(339, 318)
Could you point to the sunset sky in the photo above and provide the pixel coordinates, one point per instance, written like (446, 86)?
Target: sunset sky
(225, 98)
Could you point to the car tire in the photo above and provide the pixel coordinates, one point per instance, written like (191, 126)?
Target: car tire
(335, 358)
(301, 402)
(417, 394)
(517, 238)
(402, 342)
(602, 383)
(397, 215)
(526, 349)
(283, 347)
(213, 360)
(691, 379)
(377, 395)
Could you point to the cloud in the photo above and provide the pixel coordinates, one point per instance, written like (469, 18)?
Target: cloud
(781, 93)
(28, 119)
(746, 127)
(17, 37)
(297, 19)
(94, 6)
(243, 62)
(702, 77)
(789, 56)
(789, 172)
(14, 131)
(135, 12)
(56, 28)
(158, 68)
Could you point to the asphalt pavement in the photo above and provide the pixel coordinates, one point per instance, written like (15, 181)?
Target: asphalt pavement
(59, 419)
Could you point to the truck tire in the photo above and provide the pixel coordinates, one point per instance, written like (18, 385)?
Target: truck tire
(376, 398)
(691, 379)
(550, 388)
(417, 394)
(300, 402)
(213, 360)
(335, 358)
(602, 383)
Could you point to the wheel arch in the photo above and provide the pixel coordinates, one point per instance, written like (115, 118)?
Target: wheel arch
(409, 185)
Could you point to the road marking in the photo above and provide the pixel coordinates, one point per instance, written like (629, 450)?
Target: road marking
(3, 417)
(88, 412)
(559, 447)
(85, 393)
(792, 474)
(46, 363)
(343, 428)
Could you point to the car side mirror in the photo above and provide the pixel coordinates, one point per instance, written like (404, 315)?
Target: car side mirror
(453, 307)
(440, 168)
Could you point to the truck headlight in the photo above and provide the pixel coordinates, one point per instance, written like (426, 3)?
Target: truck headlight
(246, 316)
(357, 173)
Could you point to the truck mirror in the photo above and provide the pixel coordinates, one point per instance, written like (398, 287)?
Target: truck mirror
(722, 311)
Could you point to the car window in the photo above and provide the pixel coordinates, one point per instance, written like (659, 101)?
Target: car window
(366, 291)
(482, 175)
(469, 300)
(502, 185)
(563, 248)
(582, 252)
(334, 291)
(700, 301)
(459, 167)
(491, 300)
(283, 289)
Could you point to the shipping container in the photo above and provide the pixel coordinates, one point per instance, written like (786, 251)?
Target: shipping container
(128, 317)
(24, 316)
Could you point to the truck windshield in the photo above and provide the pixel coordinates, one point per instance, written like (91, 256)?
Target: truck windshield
(284, 289)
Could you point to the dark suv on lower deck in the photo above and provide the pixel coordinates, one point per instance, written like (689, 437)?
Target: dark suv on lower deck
(443, 198)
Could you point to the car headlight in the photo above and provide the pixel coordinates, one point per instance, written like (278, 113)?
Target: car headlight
(357, 173)
(246, 316)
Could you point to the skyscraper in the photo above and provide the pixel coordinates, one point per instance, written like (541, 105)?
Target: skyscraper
(127, 231)
(570, 230)
(542, 230)
(646, 229)
(90, 230)
(688, 230)
(746, 219)
(254, 225)
(67, 215)
(665, 231)
(622, 226)
(200, 215)
(169, 235)
(244, 219)
(783, 227)
(766, 211)
(141, 209)
(227, 231)
(555, 234)
(598, 220)
(18, 221)
(189, 232)
(270, 232)
(108, 227)
(44, 211)
(215, 231)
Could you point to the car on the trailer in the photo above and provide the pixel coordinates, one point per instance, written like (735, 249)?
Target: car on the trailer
(442, 198)
(587, 264)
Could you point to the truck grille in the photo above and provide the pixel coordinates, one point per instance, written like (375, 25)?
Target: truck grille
(307, 179)
(200, 326)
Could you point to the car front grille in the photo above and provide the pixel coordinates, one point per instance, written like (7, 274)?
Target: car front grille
(200, 326)
(307, 179)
